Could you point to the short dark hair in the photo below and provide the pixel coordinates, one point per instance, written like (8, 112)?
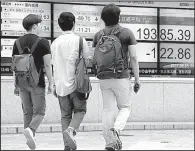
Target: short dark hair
(30, 20)
(110, 14)
(66, 21)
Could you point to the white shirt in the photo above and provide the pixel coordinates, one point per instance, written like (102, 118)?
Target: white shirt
(65, 51)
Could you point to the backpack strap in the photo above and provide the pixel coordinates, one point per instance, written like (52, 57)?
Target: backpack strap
(80, 46)
(35, 45)
(102, 32)
(115, 32)
(19, 46)
(81, 49)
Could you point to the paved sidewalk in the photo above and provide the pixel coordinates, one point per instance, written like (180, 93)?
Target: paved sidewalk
(132, 140)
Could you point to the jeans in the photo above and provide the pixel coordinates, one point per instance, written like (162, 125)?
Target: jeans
(116, 93)
(73, 111)
(33, 105)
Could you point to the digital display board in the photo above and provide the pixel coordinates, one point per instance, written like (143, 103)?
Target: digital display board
(155, 4)
(147, 54)
(7, 47)
(176, 53)
(6, 53)
(12, 14)
(177, 57)
(141, 21)
(176, 25)
(87, 17)
(164, 30)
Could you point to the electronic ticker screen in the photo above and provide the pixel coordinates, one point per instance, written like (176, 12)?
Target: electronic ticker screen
(12, 14)
(143, 23)
(87, 17)
(164, 30)
(177, 42)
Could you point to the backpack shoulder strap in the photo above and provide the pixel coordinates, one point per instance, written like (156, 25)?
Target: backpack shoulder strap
(115, 32)
(80, 46)
(19, 46)
(35, 44)
(102, 32)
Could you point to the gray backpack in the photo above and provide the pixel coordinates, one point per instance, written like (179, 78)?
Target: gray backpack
(83, 84)
(108, 56)
(23, 65)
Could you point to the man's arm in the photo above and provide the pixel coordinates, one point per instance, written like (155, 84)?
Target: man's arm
(134, 61)
(48, 69)
(131, 42)
(16, 89)
(46, 53)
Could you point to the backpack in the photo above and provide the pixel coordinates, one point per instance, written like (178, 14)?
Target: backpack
(108, 56)
(83, 84)
(23, 65)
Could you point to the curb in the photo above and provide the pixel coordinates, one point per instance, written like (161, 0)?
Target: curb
(85, 127)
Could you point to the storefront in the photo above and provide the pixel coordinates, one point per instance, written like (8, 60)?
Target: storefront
(165, 36)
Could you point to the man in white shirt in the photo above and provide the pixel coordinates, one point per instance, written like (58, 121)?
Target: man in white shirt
(65, 51)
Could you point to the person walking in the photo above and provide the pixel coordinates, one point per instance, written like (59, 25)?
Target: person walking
(113, 47)
(65, 52)
(32, 93)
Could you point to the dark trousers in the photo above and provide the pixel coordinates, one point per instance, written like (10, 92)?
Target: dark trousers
(33, 105)
(73, 111)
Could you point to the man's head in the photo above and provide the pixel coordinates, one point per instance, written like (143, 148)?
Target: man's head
(31, 23)
(66, 21)
(110, 14)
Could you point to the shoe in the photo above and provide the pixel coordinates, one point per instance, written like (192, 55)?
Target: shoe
(30, 139)
(118, 141)
(68, 136)
(67, 148)
(111, 147)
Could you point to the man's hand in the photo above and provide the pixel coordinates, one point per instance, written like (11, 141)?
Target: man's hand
(16, 91)
(50, 88)
(136, 86)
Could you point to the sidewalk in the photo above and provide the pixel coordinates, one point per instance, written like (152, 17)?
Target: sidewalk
(93, 140)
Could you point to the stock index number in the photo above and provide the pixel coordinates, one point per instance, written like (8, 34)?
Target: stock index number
(147, 33)
(170, 34)
(168, 53)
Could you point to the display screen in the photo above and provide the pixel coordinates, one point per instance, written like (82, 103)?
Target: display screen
(155, 4)
(177, 57)
(6, 54)
(12, 14)
(164, 30)
(142, 22)
(87, 19)
(7, 47)
(176, 26)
